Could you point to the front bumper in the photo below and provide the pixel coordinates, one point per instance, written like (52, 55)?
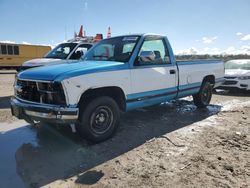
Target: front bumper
(42, 112)
(235, 83)
(219, 82)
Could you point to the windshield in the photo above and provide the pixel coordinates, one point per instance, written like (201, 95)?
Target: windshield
(61, 51)
(113, 49)
(245, 65)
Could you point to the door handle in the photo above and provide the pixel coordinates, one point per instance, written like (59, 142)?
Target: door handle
(172, 71)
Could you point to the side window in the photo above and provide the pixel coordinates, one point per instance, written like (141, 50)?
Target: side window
(79, 52)
(4, 49)
(128, 48)
(104, 52)
(10, 49)
(65, 50)
(153, 51)
(16, 50)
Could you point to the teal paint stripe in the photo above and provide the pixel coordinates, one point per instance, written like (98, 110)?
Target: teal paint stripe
(188, 92)
(152, 99)
(187, 86)
(151, 93)
(166, 91)
(148, 102)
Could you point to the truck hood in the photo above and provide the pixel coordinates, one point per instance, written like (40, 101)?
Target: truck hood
(44, 61)
(236, 72)
(67, 70)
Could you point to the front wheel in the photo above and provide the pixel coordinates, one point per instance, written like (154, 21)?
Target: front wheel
(203, 98)
(99, 119)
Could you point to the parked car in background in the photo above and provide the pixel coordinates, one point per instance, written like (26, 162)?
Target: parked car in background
(237, 75)
(65, 52)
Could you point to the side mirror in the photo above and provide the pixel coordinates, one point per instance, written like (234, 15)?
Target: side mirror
(147, 56)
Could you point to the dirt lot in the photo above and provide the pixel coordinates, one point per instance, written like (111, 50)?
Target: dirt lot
(170, 145)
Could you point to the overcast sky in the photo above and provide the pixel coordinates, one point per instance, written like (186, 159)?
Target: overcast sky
(204, 26)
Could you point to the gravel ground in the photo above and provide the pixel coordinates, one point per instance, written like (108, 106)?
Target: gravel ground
(170, 145)
(6, 91)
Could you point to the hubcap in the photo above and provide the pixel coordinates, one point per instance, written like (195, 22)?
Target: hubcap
(101, 119)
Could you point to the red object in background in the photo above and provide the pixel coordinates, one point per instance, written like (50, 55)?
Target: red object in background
(81, 32)
(98, 37)
(109, 33)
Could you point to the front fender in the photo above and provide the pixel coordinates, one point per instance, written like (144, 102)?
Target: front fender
(74, 87)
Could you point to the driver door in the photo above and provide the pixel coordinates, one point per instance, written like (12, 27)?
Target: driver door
(153, 77)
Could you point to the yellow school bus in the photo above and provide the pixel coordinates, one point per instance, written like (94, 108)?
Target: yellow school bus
(13, 55)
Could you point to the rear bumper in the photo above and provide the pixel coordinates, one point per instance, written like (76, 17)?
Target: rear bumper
(42, 112)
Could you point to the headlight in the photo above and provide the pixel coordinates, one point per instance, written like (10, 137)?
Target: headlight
(244, 77)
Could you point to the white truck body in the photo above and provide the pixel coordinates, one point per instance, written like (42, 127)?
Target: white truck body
(131, 71)
(137, 81)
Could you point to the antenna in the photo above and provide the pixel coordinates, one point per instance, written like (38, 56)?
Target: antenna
(65, 32)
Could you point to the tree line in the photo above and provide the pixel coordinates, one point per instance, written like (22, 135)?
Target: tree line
(224, 57)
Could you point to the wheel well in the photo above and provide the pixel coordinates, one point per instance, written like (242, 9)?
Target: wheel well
(209, 78)
(114, 92)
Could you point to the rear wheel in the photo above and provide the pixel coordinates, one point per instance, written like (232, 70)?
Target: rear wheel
(203, 98)
(99, 119)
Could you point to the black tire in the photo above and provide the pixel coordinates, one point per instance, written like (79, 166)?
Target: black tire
(203, 98)
(99, 119)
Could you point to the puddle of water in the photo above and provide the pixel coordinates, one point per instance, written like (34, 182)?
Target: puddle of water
(12, 136)
(26, 149)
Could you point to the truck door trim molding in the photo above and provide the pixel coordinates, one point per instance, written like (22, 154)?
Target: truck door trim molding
(160, 93)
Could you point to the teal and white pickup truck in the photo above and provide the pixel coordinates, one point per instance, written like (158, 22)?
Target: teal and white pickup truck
(118, 74)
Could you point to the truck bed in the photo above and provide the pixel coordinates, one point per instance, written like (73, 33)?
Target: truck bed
(191, 72)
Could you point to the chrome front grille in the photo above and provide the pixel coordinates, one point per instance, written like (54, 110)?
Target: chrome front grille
(27, 90)
(230, 82)
(230, 77)
(40, 92)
